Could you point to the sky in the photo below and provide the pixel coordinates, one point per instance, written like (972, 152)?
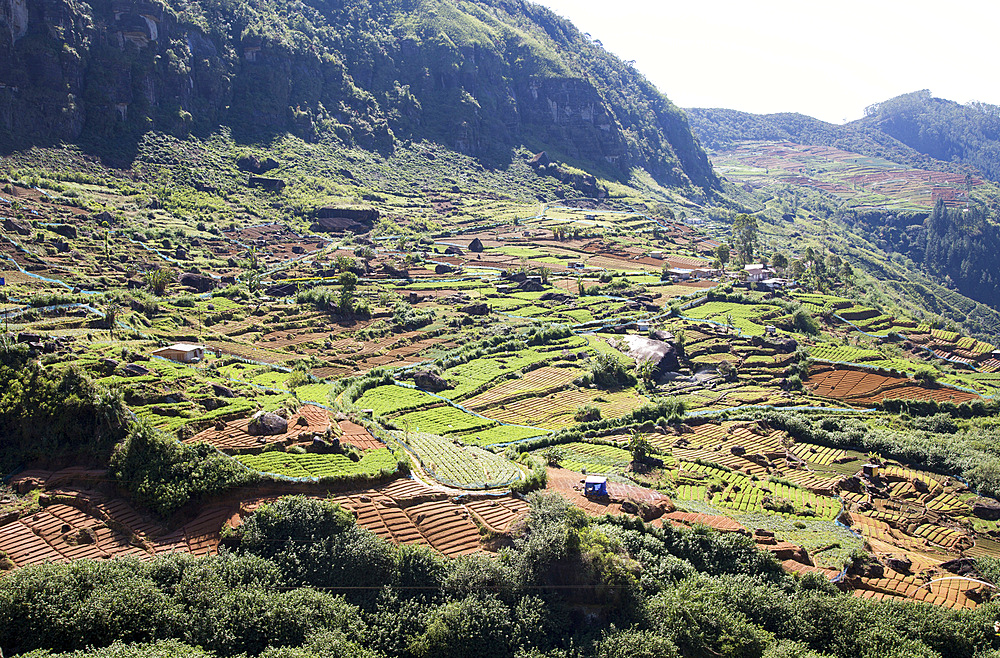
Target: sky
(829, 60)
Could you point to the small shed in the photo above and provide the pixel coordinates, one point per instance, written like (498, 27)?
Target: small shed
(595, 485)
(872, 470)
(182, 352)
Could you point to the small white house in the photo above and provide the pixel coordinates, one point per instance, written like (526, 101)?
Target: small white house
(776, 283)
(756, 272)
(680, 273)
(182, 352)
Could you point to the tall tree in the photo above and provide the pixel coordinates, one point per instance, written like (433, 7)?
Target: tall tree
(745, 237)
(722, 253)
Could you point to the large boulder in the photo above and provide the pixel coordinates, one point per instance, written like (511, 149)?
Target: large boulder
(663, 355)
(200, 282)
(270, 184)
(330, 219)
(282, 289)
(986, 508)
(452, 250)
(430, 381)
(899, 564)
(476, 308)
(252, 164)
(222, 391)
(16, 227)
(65, 230)
(476, 245)
(265, 423)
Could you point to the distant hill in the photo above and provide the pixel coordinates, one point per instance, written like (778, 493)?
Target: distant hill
(942, 129)
(914, 129)
(481, 77)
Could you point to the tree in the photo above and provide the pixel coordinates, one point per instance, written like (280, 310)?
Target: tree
(639, 446)
(112, 309)
(251, 270)
(722, 253)
(745, 236)
(348, 282)
(646, 370)
(779, 261)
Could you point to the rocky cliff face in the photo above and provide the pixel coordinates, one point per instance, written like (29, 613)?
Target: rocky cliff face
(481, 77)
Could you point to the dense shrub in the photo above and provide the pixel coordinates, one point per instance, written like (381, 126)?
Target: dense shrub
(567, 586)
(164, 475)
(50, 414)
(610, 373)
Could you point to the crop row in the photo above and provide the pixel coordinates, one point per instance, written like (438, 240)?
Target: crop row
(443, 420)
(843, 354)
(319, 466)
(390, 399)
(469, 377)
(465, 466)
(819, 455)
(500, 434)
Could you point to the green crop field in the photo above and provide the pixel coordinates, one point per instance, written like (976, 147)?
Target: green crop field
(464, 466)
(745, 317)
(308, 465)
(391, 399)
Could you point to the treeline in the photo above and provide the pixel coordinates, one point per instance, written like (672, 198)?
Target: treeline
(953, 245)
(721, 129)
(303, 580)
(49, 415)
(53, 415)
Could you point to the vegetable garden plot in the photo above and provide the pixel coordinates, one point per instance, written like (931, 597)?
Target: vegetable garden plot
(470, 377)
(312, 465)
(443, 420)
(589, 457)
(234, 435)
(819, 455)
(467, 467)
(556, 411)
(745, 317)
(498, 514)
(500, 434)
(448, 527)
(391, 399)
(542, 380)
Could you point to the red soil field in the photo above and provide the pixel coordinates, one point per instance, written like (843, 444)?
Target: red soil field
(865, 388)
(358, 436)
(570, 485)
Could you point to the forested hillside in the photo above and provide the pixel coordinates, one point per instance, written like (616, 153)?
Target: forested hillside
(479, 77)
(945, 130)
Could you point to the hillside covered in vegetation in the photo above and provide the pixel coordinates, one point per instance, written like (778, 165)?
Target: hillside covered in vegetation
(418, 328)
(481, 77)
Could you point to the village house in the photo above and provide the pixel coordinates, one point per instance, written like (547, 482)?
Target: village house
(182, 352)
(756, 272)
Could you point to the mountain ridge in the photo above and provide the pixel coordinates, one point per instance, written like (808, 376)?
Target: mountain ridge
(480, 77)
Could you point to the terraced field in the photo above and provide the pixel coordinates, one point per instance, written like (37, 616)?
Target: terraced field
(373, 462)
(866, 388)
(466, 467)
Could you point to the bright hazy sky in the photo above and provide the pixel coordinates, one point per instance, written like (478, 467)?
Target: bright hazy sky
(826, 59)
